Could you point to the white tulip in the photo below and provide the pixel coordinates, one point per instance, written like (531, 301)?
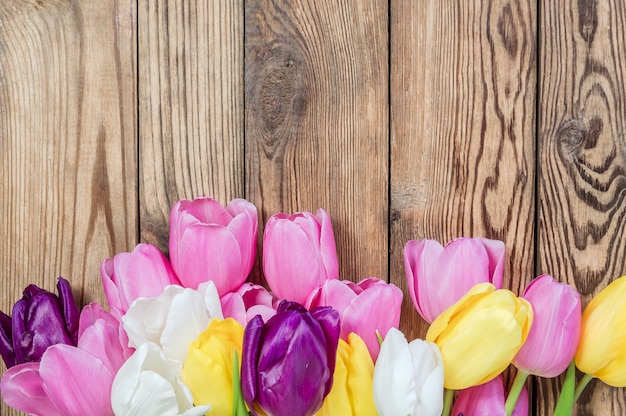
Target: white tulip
(173, 319)
(408, 377)
(149, 384)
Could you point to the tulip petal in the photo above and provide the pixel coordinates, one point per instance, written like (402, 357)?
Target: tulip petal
(208, 211)
(6, 340)
(328, 318)
(417, 273)
(22, 389)
(252, 339)
(496, 252)
(66, 371)
(328, 248)
(244, 227)
(71, 313)
(102, 341)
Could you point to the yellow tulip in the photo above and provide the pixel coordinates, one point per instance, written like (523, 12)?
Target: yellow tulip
(602, 349)
(351, 393)
(208, 368)
(480, 334)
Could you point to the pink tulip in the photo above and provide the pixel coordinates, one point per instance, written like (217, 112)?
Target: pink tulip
(208, 242)
(488, 399)
(439, 276)
(247, 302)
(143, 273)
(299, 254)
(71, 380)
(364, 308)
(553, 338)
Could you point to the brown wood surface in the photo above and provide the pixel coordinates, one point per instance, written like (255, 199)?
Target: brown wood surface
(67, 143)
(403, 119)
(582, 158)
(317, 120)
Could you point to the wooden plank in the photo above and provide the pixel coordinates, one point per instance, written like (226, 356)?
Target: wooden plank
(462, 130)
(582, 158)
(67, 143)
(190, 107)
(316, 76)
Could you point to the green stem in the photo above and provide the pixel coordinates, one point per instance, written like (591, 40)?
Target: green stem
(581, 386)
(448, 395)
(516, 389)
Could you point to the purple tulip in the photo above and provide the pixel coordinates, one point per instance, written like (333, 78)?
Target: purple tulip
(369, 306)
(144, 273)
(553, 338)
(208, 242)
(40, 319)
(439, 276)
(488, 399)
(299, 254)
(288, 362)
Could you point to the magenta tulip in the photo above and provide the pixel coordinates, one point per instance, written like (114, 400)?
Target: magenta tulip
(299, 254)
(553, 338)
(40, 319)
(143, 273)
(365, 308)
(208, 242)
(71, 380)
(288, 362)
(439, 276)
(488, 399)
(247, 302)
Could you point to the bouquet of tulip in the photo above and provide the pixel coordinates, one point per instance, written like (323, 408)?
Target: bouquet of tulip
(188, 335)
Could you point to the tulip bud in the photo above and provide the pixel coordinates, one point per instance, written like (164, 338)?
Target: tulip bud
(365, 308)
(439, 276)
(486, 324)
(143, 273)
(288, 362)
(299, 254)
(554, 335)
(408, 377)
(40, 319)
(602, 349)
(208, 242)
(351, 394)
(207, 370)
(488, 399)
(247, 302)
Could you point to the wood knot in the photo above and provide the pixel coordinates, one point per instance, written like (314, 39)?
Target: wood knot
(574, 136)
(507, 31)
(587, 19)
(276, 94)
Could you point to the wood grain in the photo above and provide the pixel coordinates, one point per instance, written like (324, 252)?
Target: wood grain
(67, 143)
(462, 130)
(190, 107)
(582, 159)
(316, 76)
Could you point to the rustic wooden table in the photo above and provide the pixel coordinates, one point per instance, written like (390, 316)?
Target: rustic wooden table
(404, 119)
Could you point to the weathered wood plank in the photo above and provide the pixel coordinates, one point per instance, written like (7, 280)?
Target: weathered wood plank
(67, 143)
(582, 158)
(316, 76)
(462, 130)
(190, 107)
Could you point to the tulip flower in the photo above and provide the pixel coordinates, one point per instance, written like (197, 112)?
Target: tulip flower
(553, 338)
(408, 377)
(488, 399)
(365, 308)
(439, 276)
(70, 380)
(39, 320)
(150, 384)
(602, 349)
(351, 394)
(288, 362)
(299, 254)
(143, 273)
(247, 302)
(173, 319)
(208, 368)
(208, 242)
(480, 335)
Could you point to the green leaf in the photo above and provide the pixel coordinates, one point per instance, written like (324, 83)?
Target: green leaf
(239, 406)
(565, 404)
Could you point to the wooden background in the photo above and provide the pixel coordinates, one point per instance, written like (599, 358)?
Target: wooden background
(404, 119)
